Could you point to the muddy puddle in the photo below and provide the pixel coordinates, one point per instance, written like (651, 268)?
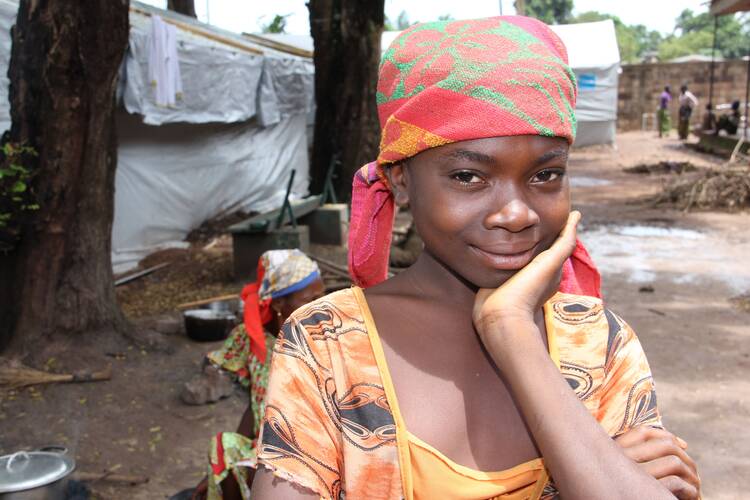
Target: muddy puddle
(644, 253)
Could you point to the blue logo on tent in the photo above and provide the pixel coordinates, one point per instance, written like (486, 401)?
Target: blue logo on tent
(587, 81)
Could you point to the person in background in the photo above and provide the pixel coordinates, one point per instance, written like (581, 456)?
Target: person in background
(687, 103)
(730, 122)
(287, 280)
(663, 114)
(709, 119)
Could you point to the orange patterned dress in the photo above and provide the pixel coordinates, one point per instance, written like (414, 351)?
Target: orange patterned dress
(332, 423)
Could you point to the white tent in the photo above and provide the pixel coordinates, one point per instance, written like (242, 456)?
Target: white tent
(595, 59)
(229, 144)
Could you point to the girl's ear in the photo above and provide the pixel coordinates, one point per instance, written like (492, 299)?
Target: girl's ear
(398, 178)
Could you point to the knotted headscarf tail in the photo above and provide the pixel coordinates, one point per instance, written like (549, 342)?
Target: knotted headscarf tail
(450, 81)
(256, 313)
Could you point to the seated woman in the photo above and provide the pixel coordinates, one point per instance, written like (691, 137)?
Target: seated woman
(287, 279)
(467, 376)
(730, 122)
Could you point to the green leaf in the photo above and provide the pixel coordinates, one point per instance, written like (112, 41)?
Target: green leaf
(19, 187)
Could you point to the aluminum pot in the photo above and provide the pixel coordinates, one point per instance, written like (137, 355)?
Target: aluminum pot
(36, 475)
(207, 325)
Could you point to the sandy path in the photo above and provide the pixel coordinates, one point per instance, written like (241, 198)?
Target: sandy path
(697, 343)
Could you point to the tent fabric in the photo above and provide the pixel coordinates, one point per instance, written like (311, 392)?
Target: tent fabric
(8, 10)
(229, 144)
(595, 59)
(222, 83)
(172, 178)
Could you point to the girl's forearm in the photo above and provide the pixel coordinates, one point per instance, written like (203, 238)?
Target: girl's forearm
(583, 460)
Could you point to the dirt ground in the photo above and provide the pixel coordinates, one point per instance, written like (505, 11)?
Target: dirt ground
(671, 275)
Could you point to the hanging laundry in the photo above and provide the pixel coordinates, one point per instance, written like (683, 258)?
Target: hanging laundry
(163, 64)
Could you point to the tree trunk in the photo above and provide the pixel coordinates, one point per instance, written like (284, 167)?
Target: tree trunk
(63, 75)
(347, 35)
(186, 7)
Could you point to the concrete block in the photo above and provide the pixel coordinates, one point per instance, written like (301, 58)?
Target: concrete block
(249, 246)
(329, 224)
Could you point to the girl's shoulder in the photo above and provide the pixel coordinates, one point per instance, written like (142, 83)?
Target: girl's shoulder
(329, 316)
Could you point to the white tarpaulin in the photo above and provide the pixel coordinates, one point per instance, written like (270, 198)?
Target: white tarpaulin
(221, 82)
(172, 178)
(8, 11)
(229, 144)
(595, 59)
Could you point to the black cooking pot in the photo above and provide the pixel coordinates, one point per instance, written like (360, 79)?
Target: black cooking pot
(206, 325)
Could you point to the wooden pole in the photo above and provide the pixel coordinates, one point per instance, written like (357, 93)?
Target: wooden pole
(713, 63)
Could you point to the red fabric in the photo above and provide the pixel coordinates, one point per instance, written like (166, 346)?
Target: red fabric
(257, 312)
(219, 467)
(580, 275)
(370, 229)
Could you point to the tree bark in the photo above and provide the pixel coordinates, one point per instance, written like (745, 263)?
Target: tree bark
(63, 75)
(347, 35)
(186, 7)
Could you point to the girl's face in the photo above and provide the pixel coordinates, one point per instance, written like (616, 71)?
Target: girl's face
(486, 207)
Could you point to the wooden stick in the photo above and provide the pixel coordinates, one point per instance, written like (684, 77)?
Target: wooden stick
(113, 478)
(280, 46)
(201, 32)
(188, 305)
(140, 274)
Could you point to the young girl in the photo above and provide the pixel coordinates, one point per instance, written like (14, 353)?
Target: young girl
(466, 376)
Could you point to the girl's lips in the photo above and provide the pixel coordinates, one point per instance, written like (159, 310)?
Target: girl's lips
(505, 261)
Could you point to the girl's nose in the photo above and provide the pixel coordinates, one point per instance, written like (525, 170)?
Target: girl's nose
(514, 216)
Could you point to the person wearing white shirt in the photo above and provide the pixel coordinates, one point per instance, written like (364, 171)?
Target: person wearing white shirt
(687, 102)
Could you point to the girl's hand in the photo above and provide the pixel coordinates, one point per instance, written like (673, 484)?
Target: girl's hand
(662, 455)
(525, 293)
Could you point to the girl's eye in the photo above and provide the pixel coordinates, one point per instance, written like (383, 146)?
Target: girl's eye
(547, 175)
(466, 177)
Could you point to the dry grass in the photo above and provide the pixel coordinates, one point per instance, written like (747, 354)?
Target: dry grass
(716, 189)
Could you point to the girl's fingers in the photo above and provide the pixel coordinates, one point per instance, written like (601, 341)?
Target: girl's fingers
(549, 262)
(655, 449)
(563, 246)
(671, 465)
(643, 433)
(681, 488)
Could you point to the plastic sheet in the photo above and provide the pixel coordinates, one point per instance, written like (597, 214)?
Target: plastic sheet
(172, 178)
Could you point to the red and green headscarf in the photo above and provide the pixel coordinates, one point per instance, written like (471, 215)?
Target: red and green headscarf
(450, 81)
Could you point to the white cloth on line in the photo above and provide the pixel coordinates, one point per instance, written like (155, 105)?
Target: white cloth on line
(163, 63)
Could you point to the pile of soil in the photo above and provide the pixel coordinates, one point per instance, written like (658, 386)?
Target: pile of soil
(218, 225)
(193, 274)
(716, 189)
(663, 167)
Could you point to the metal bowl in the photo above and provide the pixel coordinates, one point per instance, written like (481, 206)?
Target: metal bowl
(208, 325)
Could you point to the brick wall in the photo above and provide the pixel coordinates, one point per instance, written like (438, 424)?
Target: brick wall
(641, 84)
